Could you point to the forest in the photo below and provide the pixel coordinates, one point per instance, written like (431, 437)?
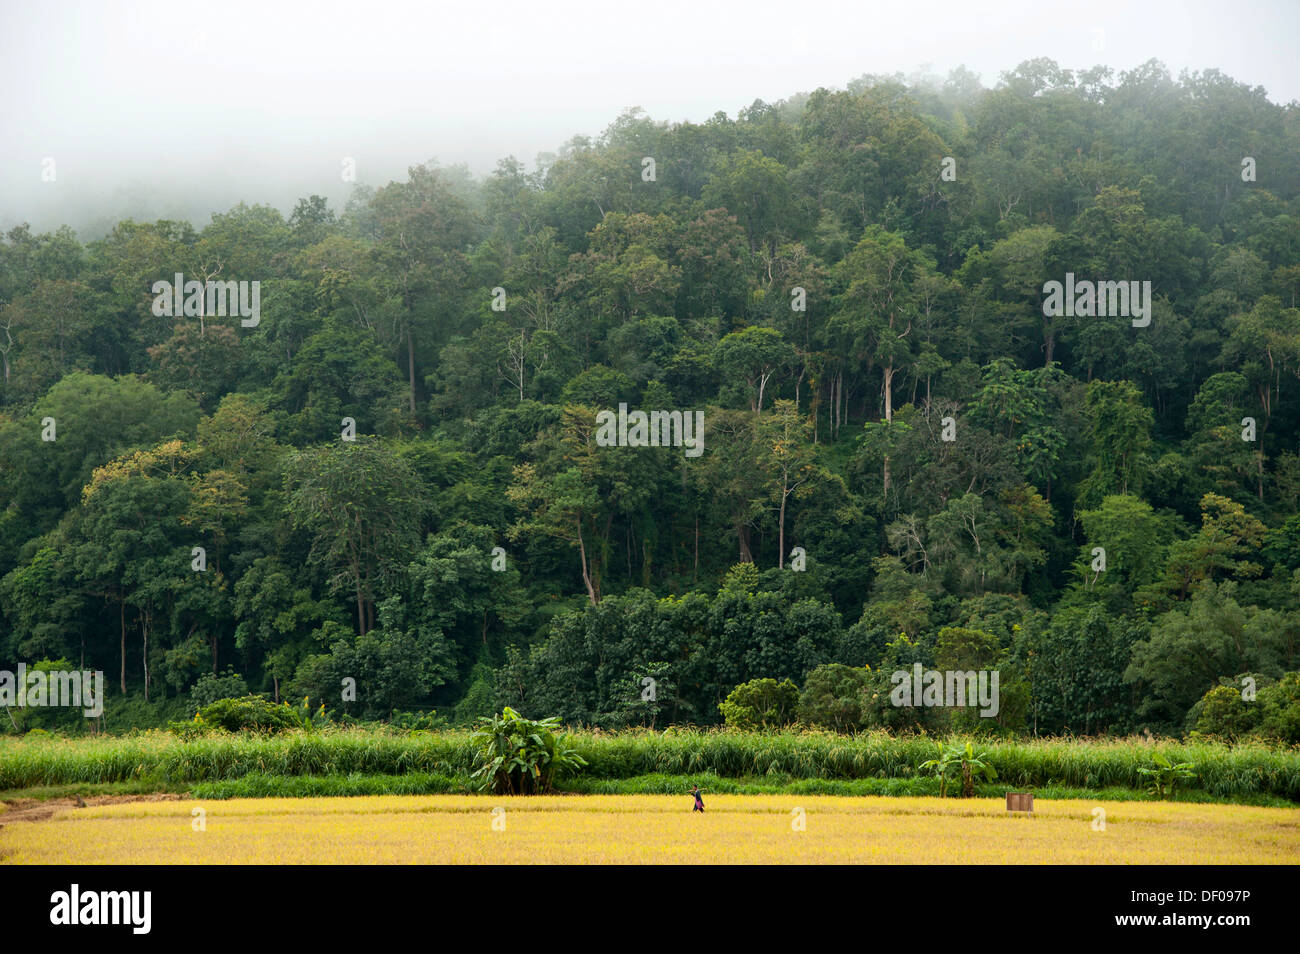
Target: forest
(396, 477)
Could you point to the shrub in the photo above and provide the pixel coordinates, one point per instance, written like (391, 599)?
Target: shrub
(969, 762)
(519, 756)
(1280, 709)
(210, 688)
(1223, 713)
(251, 714)
(761, 703)
(1165, 775)
(832, 697)
(1273, 714)
(427, 721)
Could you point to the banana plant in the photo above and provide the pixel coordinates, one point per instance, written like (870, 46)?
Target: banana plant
(974, 763)
(1165, 775)
(519, 756)
(970, 762)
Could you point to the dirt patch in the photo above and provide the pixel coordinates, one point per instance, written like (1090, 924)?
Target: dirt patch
(32, 809)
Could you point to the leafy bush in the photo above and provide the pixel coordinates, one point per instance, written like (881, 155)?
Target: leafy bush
(1165, 775)
(519, 756)
(427, 721)
(210, 688)
(1224, 714)
(761, 703)
(1280, 708)
(970, 762)
(1273, 714)
(250, 714)
(1248, 771)
(832, 697)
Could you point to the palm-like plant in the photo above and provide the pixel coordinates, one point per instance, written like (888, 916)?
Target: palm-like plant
(970, 762)
(940, 766)
(974, 763)
(1165, 775)
(519, 756)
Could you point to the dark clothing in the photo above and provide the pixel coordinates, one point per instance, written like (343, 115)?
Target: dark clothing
(699, 802)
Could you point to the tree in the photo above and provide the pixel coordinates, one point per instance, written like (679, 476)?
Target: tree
(1192, 646)
(1120, 437)
(832, 697)
(1135, 540)
(788, 458)
(421, 227)
(753, 355)
(967, 760)
(755, 189)
(761, 704)
(881, 278)
(1076, 669)
(363, 507)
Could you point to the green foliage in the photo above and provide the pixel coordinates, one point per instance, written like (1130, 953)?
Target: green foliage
(947, 456)
(965, 760)
(1165, 775)
(832, 697)
(250, 714)
(1272, 714)
(1223, 713)
(418, 721)
(518, 756)
(1242, 772)
(210, 688)
(761, 703)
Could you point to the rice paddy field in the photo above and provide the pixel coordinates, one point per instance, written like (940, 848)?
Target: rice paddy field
(635, 829)
(374, 797)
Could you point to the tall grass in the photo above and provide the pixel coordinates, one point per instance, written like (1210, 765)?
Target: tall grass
(1225, 772)
(161, 757)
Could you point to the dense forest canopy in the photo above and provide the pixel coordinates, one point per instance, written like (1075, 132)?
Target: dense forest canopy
(395, 476)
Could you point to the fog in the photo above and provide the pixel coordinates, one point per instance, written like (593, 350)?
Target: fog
(180, 108)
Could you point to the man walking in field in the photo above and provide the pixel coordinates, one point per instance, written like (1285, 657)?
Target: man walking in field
(699, 802)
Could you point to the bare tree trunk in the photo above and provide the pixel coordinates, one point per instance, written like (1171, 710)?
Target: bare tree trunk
(889, 393)
(889, 416)
(696, 572)
(410, 364)
(742, 531)
(144, 655)
(785, 492)
(592, 595)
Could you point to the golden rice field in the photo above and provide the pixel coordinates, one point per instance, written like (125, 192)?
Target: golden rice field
(623, 829)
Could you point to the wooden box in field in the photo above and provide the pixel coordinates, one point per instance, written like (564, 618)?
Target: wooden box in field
(1020, 802)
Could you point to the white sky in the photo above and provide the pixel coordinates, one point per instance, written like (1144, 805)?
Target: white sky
(218, 101)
